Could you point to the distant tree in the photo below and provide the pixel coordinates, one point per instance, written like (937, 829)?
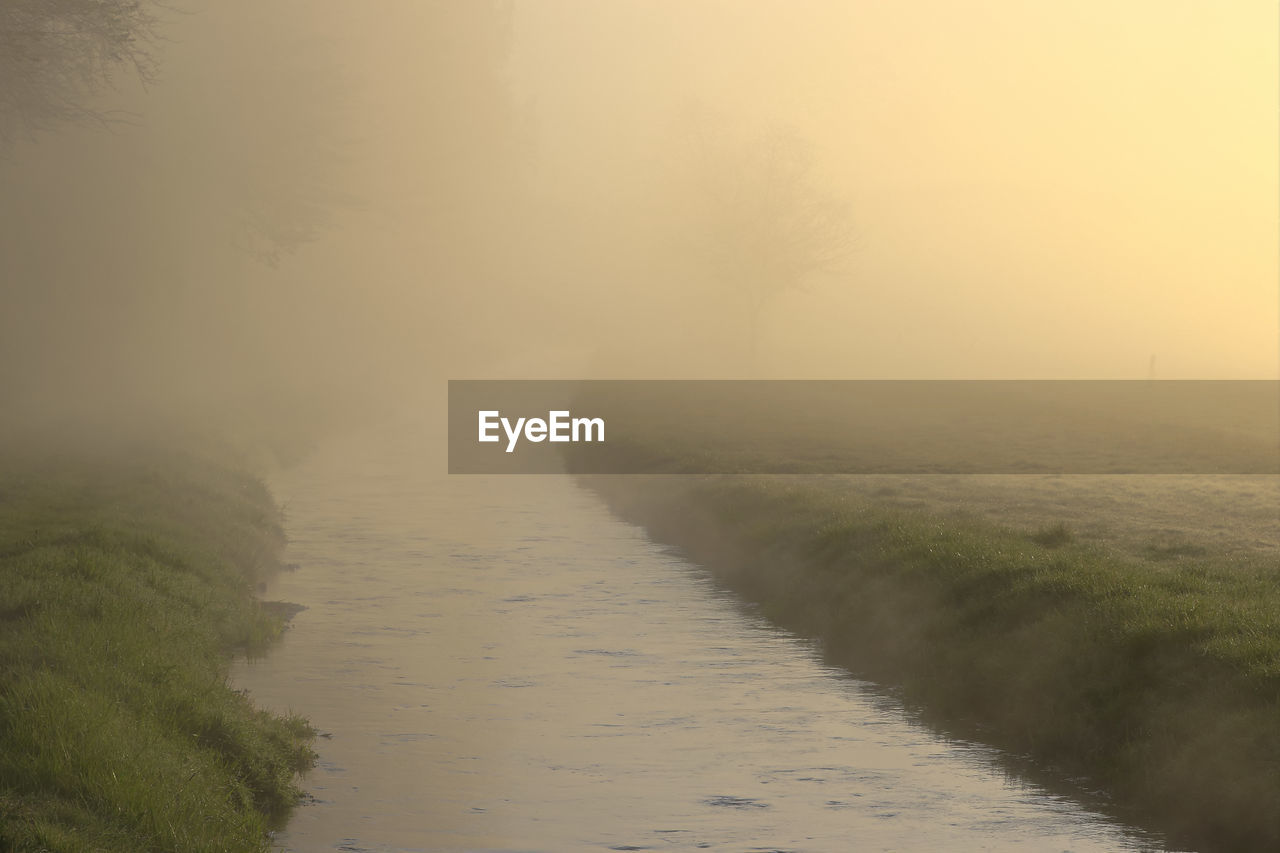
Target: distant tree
(269, 126)
(56, 54)
(760, 223)
(282, 138)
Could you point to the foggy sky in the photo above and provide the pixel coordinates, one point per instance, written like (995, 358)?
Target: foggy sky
(1041, 191)
(459, 189)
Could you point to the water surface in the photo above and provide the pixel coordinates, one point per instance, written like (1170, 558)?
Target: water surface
(502, 665)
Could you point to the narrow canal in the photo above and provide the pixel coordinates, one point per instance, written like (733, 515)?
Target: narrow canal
(499, 664)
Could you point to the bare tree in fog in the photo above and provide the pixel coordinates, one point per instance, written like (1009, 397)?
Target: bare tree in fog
(130, 280)
(129, 261)
(762, 224)
(56, 54)
(272, 117)
(285, 158)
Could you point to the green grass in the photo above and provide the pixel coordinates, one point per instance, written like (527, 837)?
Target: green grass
(1155, 674)
(126, 581)
(1053, 536)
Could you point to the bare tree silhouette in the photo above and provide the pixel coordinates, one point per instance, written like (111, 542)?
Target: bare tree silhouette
(56, 54)
(759, 222)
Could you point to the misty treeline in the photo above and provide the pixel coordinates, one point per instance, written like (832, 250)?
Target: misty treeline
(263, 214)
(166, 166)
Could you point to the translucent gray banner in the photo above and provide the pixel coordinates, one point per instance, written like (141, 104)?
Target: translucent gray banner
(864, 427)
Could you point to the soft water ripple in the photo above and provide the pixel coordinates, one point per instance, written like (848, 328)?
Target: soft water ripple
(504, 666)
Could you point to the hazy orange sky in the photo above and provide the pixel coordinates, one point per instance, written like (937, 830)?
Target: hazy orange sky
(1040, 189)
(1037, 190)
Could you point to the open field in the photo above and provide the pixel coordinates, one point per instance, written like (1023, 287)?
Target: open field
(1168, 519)
(126, 580)
(893, 427)
(1119, 630)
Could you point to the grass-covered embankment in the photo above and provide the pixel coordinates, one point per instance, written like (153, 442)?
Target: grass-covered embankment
(1158, 681)
(126, 581)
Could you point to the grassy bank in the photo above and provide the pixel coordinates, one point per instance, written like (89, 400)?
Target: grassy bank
(1156, 678)
(126, 580)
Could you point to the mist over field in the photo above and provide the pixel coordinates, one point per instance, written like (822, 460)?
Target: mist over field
(278, 212)
(248, 249)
